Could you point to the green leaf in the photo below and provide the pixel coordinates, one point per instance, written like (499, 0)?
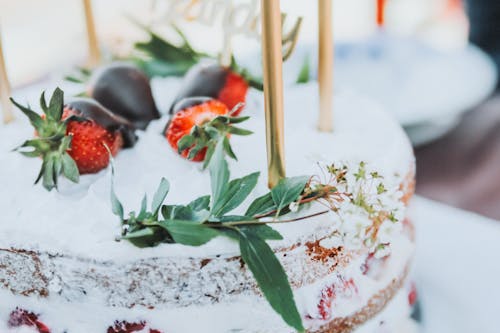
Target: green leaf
(160, 195)
(56, 103)
(239, 131)
(305, 71)
(48, 174)
(263, 231)
(262, 205)
(219, 173)
(187, 233)
(147, 237)
(185, 213)
(202, 203)
(185, 142)
(144, 207)
(271, 277)
(208, 155)
(228, 149)
(116, 205)
(34, 117)
(287, 191)
(237, 191)
(69, 168)
(43, 102)
(237, 120)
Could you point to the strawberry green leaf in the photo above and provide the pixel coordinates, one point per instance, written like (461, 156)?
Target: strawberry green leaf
(270, 276)
(208, 156)
(239, 131)
(185, 142)
(237, 120)
(48, 174)
(69, 168)
(287, 191)
(236, 192)
(228, 149)
(160, 196)
(43, 102)
(188, 233)
(56, 103)
(34, 117)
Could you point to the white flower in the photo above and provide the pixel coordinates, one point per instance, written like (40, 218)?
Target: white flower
(294, 207)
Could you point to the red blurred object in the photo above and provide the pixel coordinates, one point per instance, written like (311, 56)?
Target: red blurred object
(381, 12)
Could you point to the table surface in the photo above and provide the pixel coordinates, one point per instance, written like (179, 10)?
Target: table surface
(462, 169)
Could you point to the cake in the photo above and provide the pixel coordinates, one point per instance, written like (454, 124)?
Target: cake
(215, 248)
(59, 256)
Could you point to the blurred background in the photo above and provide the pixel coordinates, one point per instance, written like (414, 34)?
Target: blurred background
(422, 64)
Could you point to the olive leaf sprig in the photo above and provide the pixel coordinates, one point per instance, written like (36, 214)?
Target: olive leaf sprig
(209, 216)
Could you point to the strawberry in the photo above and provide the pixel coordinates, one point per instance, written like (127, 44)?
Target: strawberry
(124, 90)
(72, 139)
(125, 327)
(198, 125)
(229, 85)
(20, 317)
(233, 92)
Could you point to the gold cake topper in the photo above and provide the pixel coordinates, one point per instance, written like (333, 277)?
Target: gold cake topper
(242, 18)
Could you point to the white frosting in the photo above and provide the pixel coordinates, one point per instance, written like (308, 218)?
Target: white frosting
(234, 316)
(78, 220)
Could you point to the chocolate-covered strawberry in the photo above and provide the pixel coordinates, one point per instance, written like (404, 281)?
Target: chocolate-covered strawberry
(74, 139)
(199, 124)
(126, 91)
(225, 84)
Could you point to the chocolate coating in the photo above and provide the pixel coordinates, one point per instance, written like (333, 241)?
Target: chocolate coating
(202, 80)
(91, 109)
(125, 91)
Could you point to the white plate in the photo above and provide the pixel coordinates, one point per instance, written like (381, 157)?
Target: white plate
(457, 269)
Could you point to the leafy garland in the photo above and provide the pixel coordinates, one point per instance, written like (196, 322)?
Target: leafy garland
(209, 216)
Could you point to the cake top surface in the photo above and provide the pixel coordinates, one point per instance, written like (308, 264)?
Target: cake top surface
(78, 220)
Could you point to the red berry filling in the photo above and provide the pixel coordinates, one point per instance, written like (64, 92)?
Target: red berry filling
(126, 327)
(20, 317)
(329, 294)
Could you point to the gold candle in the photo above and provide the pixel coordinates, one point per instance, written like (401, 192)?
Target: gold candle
(272, 60)
(5, 89)
(325, 63)
(94, 52)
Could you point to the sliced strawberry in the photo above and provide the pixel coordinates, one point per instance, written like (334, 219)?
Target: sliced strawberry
(126, 327)
(198, 125)
(20, 317)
